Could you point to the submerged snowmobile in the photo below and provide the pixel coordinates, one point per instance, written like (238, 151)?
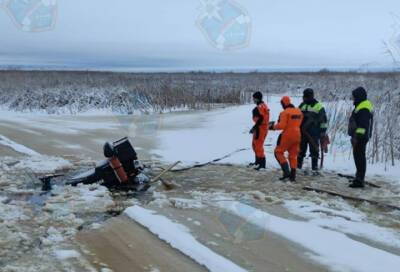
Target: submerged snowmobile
(121, 169)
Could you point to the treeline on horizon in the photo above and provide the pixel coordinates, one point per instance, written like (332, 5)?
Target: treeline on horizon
(60, 92)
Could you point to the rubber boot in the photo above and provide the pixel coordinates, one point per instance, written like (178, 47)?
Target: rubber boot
(254, 163)
(261, 164)
(285, 170)
(357, 184)
(292, 175)
(314, 164)
(315, 173)
(300, 162)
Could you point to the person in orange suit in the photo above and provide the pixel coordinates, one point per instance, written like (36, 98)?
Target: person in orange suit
(259, 130)
(289, 141)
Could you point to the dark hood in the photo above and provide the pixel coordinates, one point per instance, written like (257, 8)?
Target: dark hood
(310, 101)
(359, 94)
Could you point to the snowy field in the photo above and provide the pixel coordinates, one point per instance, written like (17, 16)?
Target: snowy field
(221, 132)
(328, 233)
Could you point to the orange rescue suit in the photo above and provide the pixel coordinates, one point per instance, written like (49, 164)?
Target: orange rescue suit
(261, 120)
(289, 141)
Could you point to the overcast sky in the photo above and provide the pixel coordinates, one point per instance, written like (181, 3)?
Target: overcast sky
(165, 34)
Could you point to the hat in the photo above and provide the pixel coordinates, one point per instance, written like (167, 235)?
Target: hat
(258, 95)
(308, 93)
(286, 101)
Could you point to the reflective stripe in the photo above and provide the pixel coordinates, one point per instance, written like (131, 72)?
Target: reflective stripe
(366, 104)
(324, 125)
(313, 110)
(304, 107)
(316, 108)
(360, 131)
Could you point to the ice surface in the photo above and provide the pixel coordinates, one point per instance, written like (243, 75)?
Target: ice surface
(179, 237)
(67, 254)
(182, 203)
(35, 161)
(211, 135)
(345, 219)
(43, 164)
(83, 198)
(328, 247)
(17, 147)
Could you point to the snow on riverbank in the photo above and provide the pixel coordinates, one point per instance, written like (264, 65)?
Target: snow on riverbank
(213, 134)
(190, 137)
(330, 248)
(179, 237)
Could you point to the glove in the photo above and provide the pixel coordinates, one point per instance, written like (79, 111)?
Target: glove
(252, 130)
(325, 141)
(271, 125)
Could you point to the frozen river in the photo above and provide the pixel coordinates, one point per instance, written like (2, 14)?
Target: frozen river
(231, 217)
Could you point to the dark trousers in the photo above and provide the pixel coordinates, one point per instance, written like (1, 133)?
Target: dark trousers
(360, 159)
(314, 150)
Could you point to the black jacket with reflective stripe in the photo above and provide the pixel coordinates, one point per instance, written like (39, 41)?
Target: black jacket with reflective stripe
(314, 117)
(361, 121)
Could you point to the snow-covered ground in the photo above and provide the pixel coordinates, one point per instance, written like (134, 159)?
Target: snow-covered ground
(188, 137)
(325, 228)
(221, 132)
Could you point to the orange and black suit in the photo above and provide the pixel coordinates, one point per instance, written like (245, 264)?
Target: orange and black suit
(289, 141)
(260, 131)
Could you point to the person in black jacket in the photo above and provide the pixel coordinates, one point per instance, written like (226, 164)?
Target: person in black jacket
(313, 128)
(360, 131)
